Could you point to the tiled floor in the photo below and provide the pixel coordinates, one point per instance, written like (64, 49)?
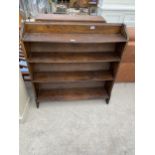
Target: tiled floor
(81, 127)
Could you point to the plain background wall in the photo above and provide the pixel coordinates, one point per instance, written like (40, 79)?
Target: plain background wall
(126, 2)
(118, 11)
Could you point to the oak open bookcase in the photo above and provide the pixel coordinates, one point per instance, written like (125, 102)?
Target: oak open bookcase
(70, 61)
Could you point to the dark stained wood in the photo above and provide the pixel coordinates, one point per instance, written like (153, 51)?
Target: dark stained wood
(73, 38)
(57, 47)
(66, 18)
(129, 53)
(126, 72)
(72, 76)
(73, 57)
(23, 49)
(25, 73)
(46, 27)
(131, 32)
(114, 67)
(70, 61)
(66, 85)
(72, 94)
(60, 67)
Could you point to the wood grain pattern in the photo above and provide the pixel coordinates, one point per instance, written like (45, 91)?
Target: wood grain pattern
(129, 53)
(73, 38)
(60, 67)
(126, 72)
(43, 77)
(48, 27)
(66, 18)
(57, 47)
(71, 61)
(72, 94)
(73, 57)
(66, 85)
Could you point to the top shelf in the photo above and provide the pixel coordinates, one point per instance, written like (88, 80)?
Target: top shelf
(73, 33)
(73, 38)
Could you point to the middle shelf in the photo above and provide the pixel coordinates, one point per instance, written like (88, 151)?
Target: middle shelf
(43, 77)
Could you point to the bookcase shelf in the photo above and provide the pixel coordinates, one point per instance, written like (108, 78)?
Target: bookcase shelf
(73, 38)
(73, 61)
(72, 94)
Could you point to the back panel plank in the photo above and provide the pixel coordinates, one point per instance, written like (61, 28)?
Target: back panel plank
(56, 47)
(49, 86)
(41, 77)
(37, 67)
(73, 57)
(46, 27)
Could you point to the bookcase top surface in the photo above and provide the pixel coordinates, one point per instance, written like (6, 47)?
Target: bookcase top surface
(71, 18)
(73, 38)
(62, 33)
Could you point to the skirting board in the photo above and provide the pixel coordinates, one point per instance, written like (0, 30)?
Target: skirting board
(22, 117)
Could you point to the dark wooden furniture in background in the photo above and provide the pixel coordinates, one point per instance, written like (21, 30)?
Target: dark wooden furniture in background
(69, 19)
(126, 71)
(73, 61)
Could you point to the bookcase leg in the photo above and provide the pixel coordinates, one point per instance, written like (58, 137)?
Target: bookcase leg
(37, 104)
(107, 100)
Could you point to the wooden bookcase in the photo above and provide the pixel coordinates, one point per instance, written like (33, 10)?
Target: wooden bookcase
(73, 61)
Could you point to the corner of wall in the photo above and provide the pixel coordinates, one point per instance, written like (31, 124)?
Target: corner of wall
(22, 117)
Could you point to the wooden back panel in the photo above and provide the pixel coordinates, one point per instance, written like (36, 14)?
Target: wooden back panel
(57, 47)
(42, 67)
(46, 27)
(49, 86)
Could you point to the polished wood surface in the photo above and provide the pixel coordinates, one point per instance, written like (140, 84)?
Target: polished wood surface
(126, 71)
(76, 48)
(73, 57)
(69, 18)
(129, 53)
(43, 77)
(66, 67)
(73, 38)
(48, 28)
(73, 61)
(72, 94)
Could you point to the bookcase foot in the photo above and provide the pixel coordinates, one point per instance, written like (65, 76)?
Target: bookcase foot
(107, 101)
(37, 104)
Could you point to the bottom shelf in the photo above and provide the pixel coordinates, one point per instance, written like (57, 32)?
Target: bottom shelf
(72, 94)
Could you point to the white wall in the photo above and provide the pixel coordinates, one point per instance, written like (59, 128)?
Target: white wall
(126, 2)
(23, 99)
(117, 11)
